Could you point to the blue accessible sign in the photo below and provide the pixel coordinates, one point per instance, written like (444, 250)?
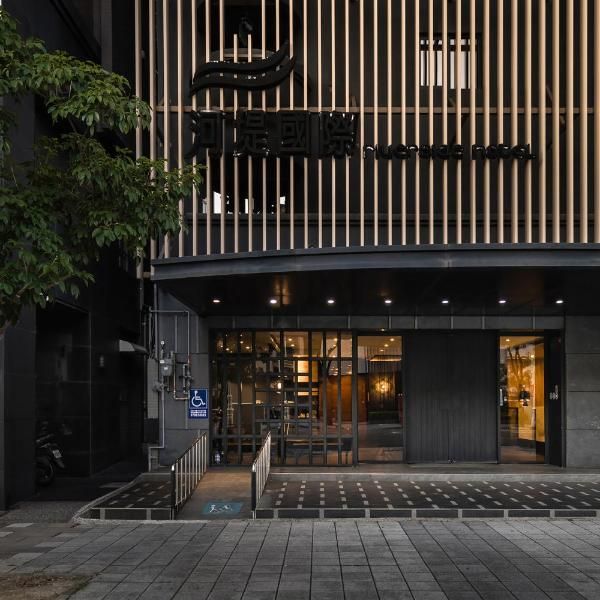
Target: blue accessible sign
(198, 406)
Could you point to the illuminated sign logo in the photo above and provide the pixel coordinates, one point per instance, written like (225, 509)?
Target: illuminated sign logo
(251, 76)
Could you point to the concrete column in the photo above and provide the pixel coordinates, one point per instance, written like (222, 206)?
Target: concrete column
(180, 431)
(582, 387)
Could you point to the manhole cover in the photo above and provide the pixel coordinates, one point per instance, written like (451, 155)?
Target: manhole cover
(221, 508)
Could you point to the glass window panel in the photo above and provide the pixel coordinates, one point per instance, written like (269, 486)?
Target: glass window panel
(522, 396)
(249, 448)
(380, 400)
(331, 344)
(316, 344)
(296, 343)
(231, 342)
(346, 344)
(268, 343)
(245, 340)
(219, 343)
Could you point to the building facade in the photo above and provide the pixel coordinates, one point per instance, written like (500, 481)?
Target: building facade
(66, 369)
(394, 254)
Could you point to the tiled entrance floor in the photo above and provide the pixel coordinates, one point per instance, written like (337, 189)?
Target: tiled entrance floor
(381, 495)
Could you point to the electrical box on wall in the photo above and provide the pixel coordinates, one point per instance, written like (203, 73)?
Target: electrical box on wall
(166, 366)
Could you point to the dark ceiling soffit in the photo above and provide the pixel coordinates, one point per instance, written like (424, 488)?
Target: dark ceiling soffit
(340, 259)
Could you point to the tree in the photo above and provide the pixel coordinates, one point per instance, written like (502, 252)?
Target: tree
(76, 195)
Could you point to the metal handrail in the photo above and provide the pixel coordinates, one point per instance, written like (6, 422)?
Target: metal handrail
(187, 471)
(260, 471)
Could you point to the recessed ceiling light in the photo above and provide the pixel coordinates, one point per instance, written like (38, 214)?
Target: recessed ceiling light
(380, 349)
(216, 301)
(507, 340)
(388, 300)
(387, 345)
(330, 301)
(445, 301)
(273, 301)
(560, 301)
(502, 301)
(392, 339)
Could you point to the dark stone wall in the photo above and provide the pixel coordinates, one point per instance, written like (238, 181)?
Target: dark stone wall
(66, 368)
(582, 367)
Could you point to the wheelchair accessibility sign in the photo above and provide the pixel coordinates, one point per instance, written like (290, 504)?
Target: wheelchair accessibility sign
(198, 405)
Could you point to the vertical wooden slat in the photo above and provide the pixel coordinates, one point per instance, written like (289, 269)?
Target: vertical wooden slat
(236, 165)
(180, 115)
(333, 107)
(166, 106)
(263, 10)
(486, 119)
(430, 116)
(473, 118)
(500, 128)
(277, 160)
(417, 86)
(583, 121)
(209, 187)
(445, 88)
(541, 150)
(458, 95)
(389, 118)
(375, 122)
(292, 191)
(250, 169)
(570, 120)
(305, 102)
(194, 63)
(514, 117)
(528, 123)
(319, 108)
(403, 31)
(222, 107)
(556, 121)
(361, 59)
(596, 121)
(347, 95)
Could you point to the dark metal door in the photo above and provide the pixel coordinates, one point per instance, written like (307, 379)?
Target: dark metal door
(450, 382)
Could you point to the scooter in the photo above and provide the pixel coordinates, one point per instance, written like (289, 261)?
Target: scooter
(48, 458)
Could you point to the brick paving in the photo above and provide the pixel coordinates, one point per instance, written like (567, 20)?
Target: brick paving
(321, 560)
(351, 494)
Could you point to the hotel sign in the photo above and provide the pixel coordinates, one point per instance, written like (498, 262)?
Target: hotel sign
(302, 133)
(261, 134)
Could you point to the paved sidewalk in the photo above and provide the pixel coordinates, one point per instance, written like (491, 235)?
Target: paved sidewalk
(320, 560)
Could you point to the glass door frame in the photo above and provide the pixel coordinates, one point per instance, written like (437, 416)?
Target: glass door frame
(356, 333)
(546, 335)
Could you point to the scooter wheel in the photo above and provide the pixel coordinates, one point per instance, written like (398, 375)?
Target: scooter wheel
(44, 474)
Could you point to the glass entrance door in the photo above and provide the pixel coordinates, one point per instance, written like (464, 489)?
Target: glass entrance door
(521, 399)
(380, 399)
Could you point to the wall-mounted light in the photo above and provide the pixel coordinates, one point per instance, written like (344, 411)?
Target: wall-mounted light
(383, 386)
(445, 301)
(388, 301)
(330, 301)
(273, 301)
(560, 301)
(502, 301)
(216, 301)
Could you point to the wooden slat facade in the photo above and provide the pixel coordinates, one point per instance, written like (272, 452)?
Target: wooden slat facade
(414, 72)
